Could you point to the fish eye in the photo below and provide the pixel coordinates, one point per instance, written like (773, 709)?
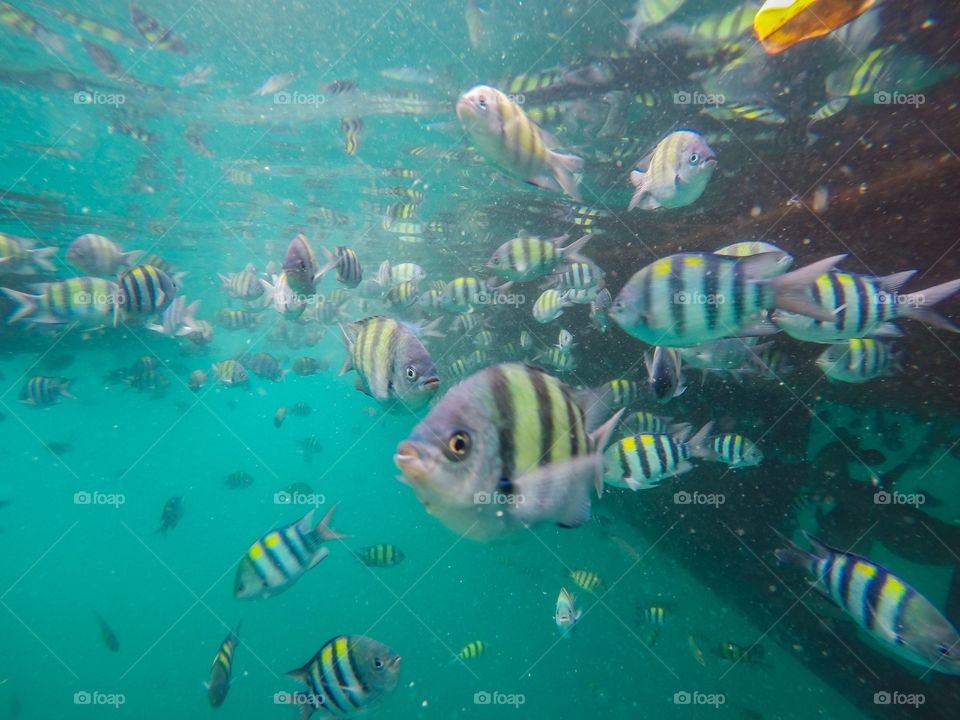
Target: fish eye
(482, 102)
(378, 663)
(458, 445)
(694, 159)
(943, 650)
(412, 373)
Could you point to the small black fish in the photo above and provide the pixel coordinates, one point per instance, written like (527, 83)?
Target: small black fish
(172, 513)
(239, 479)
(58, 448)
(109, 637)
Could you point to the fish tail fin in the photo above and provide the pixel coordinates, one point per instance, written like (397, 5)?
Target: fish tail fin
(699, 448)
(795, 555)
(639, 181)
(791, 290)
(564, 166)
(331, 263)
(919, 305)
(41, 258)
(188, 323)
(325, 531)
(576, 246)
(600, 439)
(65, 390)
(130, 258)
(26, 304)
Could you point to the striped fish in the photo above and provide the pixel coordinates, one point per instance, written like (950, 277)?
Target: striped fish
(587, 580)
(530, 82)
(144, 290)
(347, 264)
(96, 255)
(675, 174)
(237, 319)
(218, 684)
(94, 27)
(346, 676)
(402, 295)
(509, 447)
(549, 306)
(745, 111)
(41, 391)
(648, 13)
(230, 373)
(690, 298)
(391, 363)
(472, 650)
(351, 129)
(558, 360)
(641, 462)
(89, 301)
(875, 71)
(154, 33)
(383, 555)
(644, 422)
(654, 615)
(279, 558)
(858, 306)
(620, 393)
(578, 275)
(859, 360)
(17, 255)
(244, 284)
(502, 131)
(735, 450)
(463, 293)
(529, 257)
(389, 275)
(881, 603)
(566, 615)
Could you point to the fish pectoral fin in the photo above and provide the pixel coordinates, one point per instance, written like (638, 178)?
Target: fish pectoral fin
(315, 560)
(559, 492)
(545, 182)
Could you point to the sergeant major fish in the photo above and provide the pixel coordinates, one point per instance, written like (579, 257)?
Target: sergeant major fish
(566, 615)
(509, 431)
(676, 172)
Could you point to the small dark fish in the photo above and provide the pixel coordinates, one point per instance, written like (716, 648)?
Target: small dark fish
(109, 637)
(279, 416)
(383, 555)
(219, 683)
(301, 409)
(239, 479)
(172, 513)
(58, 448)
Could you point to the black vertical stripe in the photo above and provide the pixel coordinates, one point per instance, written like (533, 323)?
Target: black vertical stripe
(644, 460)
(624, 460)
(661, 440)
(500, 389)
(544, 415)
(574, 422)
(817, 299)
(871, 597)
(846, 577)
(841, 298)
(674, 451)
(326, 681)
(151, 281)
(677, 308)
(867, 298)
(342, 680)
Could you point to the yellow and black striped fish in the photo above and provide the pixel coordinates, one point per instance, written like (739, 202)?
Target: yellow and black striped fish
(347, 264)
(472, 650)
(237, 319)
(144, 290)
(654, 615)
(528, 257)
(42, 391)
(154, 33)
(881, 603)
(346, 676)
(218, 685)
(383, 555)
(641, 462)
(282, 556)
(351, 129)
(90, 301)
(587, 580)
(858, 360)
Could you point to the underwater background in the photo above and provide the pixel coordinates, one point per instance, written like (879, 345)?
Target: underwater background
(208, 134)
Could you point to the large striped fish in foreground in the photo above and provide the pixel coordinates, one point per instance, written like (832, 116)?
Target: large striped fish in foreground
(278, 559)
(346, 676)
(502, 131)
(218, 685)
(508, 448)
(144, 290)
(690, 298)
(391, 363)
(881, 603)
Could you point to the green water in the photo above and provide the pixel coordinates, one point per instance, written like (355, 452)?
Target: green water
(84, 481)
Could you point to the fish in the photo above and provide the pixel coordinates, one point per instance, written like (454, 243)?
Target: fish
(42, 391)
(279, 416)
(95, 28)
(735, 450)
(97, 255)
(881, 603)
(178, 319)
(745, 111)
(477, 31)
(503, 133)
(198, 76)
(88, 301)
(239, 479)
(348, 675)
(300, 265)
(557, 360)
(565, 341)
(550, 305)
(675, 174)
(218, 683)
(589, 581)
(154, 33)
(509, 447)
(471, 651)
(731, 652)
(108, 635)
(305, 365)
(579, 274)
(171, 515)
(265, 365)
(664, 373)
(234, 319)
(311, 445)
(301, 409)
(464, 293)
(529, 257)
(391, 363)
(642, 462)
(566, 615)
(696, 651)
(197, 379)
(647, 14)
(230, 373)
(352, 128)
(654, 615)
(690, 298)
(860, 306)
(346, 263)
(746, 248)
(599, 307)
(277, 560)
(389, 275)
(18, 255)
(620, 393)
(275, 83)
(383, 555)
(144, 290)
(859, 360)
(644, 422)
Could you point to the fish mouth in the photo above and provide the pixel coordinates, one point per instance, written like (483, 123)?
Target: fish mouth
(431, 383)
(395, 662)
(411, 462)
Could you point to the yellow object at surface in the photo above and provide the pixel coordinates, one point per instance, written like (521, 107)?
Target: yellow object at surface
(781, 24)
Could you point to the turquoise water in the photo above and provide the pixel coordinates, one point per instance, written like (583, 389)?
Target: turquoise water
(211, 176)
